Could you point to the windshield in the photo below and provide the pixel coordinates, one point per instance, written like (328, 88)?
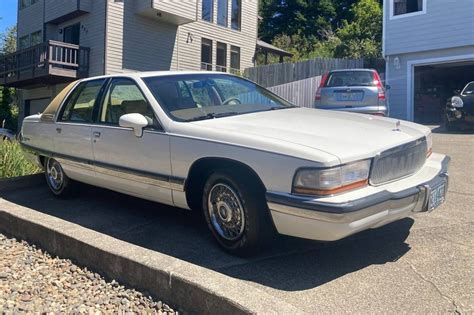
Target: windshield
(350, 78)
(191, 97)
(469, 89)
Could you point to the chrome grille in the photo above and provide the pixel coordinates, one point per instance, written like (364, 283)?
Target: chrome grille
(398, 162)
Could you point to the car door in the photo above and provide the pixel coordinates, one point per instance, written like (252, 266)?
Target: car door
(138, 166)
(73, 139)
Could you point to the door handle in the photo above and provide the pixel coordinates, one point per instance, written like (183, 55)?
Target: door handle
(96, 134)
(58, 130)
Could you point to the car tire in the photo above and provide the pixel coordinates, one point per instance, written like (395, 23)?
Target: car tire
(236, 213)
(58, 182)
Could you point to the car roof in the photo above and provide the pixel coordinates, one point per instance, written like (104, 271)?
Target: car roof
(355, 69)
(146, 74)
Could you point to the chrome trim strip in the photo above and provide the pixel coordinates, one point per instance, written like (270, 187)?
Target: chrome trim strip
(160, 180)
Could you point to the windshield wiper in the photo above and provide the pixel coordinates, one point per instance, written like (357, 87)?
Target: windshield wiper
(212, 116)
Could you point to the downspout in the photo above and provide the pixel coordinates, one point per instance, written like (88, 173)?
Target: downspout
(106, 18)
(44, 19)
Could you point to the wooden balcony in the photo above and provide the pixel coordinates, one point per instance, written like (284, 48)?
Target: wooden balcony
(44, 64)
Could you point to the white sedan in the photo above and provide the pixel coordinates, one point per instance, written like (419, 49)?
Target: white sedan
(252, 162)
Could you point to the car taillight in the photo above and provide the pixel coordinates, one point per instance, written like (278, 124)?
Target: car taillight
(378, 83)
(321, 85)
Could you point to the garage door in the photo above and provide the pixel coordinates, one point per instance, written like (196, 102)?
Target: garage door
(434, 84)
(36, 106)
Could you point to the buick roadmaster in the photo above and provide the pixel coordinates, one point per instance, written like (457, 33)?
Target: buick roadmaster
(249, 160)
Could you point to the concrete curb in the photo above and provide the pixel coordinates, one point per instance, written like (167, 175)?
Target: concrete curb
(191, 287)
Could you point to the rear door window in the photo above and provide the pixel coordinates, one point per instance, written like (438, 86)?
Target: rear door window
(80, 105)
(350, 78)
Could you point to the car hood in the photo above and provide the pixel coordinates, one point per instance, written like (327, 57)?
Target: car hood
(347, 136)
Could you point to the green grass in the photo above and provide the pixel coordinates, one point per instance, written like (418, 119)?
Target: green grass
(13, 161)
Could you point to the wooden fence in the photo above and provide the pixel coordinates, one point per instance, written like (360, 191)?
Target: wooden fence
(300, 93)
(281, 73)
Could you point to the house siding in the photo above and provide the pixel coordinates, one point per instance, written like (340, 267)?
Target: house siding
(184, 8)
(190, 36)
(92, 35)
(34, 15)
(138, 43)
(398, 78)
(446, 24)
(58, 8)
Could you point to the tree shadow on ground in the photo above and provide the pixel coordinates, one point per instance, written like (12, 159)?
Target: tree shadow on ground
(289, 264)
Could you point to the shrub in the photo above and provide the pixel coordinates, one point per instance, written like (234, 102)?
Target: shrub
(13, 161)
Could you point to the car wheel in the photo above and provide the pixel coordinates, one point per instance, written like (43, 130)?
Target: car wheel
(58, 182)
(236, 213)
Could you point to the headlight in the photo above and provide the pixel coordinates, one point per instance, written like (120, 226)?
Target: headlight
(333, 180)
(429, 144)
(457, 102)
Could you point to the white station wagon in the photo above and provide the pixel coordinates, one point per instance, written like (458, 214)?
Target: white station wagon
(248, 159)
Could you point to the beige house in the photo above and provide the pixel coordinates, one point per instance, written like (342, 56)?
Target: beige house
(63, 40)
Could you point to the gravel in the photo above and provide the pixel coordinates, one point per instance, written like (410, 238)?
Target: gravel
(33, 281)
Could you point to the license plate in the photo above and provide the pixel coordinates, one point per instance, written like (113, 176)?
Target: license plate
(346, 96)
(349, 96)
(437, 196)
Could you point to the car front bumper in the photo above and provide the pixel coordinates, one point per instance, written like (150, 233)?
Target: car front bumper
(311, 218)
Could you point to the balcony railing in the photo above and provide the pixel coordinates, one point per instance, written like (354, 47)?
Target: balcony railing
(47, 63)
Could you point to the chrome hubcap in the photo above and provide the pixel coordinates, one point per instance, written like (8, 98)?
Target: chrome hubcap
(226, 212)
(55, 174)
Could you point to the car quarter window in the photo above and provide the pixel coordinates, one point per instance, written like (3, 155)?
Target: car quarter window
(125, 97)
(80, 105)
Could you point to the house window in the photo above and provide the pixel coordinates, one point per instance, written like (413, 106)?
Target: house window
(206, 54)
(222, 12)
(236, 17)
(221, 57)
(24, 42)
(401, 7)
(207, 10)
(36, 38)
(234, 58)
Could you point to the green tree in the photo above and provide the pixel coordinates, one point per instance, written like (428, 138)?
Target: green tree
(8, 41)
(362, 36)
(305, 18)
(8, 104)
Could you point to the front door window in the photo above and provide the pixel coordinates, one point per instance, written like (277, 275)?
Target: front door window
(124, 97)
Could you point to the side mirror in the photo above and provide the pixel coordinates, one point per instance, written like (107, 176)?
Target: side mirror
(387, 87)
(135, 121)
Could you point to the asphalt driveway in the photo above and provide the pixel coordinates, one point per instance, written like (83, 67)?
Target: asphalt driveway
(415, 265)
